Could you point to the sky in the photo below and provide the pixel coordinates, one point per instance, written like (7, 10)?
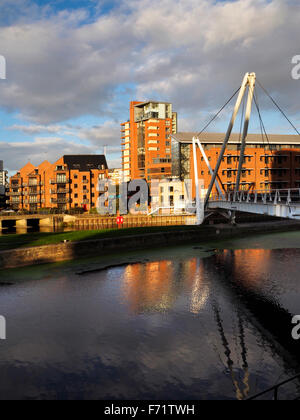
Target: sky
(72, 67)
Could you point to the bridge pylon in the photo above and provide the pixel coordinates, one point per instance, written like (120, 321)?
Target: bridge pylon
(247, 83)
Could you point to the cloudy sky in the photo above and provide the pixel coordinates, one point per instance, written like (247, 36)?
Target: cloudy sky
(73, 67)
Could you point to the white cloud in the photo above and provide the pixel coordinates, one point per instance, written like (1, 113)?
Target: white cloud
(35, 129)
(17, 154)
(107, 134)
(193, 54)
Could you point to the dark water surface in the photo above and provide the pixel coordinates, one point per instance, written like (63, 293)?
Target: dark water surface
(168, 324)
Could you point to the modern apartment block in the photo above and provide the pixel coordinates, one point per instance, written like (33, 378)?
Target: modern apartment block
(71, 182)
(146, 140)
(267, 165)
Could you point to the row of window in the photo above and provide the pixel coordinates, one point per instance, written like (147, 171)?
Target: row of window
(266, 159)
(279, 172)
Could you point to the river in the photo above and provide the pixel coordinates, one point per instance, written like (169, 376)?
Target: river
(166, 323)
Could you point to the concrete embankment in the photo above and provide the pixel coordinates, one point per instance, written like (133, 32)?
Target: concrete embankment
(22, 257)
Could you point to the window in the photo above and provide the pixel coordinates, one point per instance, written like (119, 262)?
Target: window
(76, 195)
(75, 185)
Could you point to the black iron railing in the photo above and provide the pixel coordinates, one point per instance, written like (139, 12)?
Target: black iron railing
(275, 390)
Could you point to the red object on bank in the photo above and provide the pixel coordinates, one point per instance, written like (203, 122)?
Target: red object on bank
(120, 220)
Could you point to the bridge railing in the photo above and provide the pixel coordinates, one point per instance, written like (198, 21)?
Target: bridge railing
(278, 196)
(274, 390)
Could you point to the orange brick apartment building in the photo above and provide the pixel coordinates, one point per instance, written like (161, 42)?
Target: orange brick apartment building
(146, 140)
(71, 182)
(273, 164)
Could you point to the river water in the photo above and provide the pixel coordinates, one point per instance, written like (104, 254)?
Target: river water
(167, 323)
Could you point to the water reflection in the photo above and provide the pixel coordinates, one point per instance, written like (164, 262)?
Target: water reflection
(172, 327)
(156, 286)
(240, 393)
(240, 260)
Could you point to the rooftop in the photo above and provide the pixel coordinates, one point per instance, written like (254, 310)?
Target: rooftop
(235, 138)
(85, 162)
(141, 105)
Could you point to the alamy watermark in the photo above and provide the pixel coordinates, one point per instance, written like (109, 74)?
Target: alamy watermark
(296, 329)
(2, 328)
(139, 197)
(296, 68)
(2, 68)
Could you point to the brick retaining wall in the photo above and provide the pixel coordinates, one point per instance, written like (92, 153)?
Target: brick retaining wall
(67, 251)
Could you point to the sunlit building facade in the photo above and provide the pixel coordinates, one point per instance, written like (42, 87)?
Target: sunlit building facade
(71, 182)
(272, 164)
(146, 140)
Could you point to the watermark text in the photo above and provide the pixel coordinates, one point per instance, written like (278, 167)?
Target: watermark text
(296, 68)
(2, 328)
(296, 329)
(2, 68)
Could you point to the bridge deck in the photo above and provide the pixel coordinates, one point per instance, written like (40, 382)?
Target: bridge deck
(277, 203)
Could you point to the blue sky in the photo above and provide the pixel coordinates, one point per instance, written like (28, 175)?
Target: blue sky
(73, 67)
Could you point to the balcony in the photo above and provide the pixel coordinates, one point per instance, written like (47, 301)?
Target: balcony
(61, 200)
(85, 181)
(35, 190)
(14, 194)
(34, 184)
(59, 181)
(60, 191)
(85, 201)
(147, 115)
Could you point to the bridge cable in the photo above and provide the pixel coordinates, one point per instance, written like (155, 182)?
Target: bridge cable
(259, 116)
(262, 126)
(240, 138)
(218, 113)
(277, 106)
